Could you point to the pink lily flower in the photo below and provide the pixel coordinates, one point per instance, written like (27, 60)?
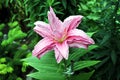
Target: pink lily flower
(59, 36)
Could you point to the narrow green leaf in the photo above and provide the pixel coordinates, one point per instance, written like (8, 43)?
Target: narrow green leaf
(64, 3)
(105, 38)
(83, 76)
(56, 3)
(47, 76)
(6, 3)
(90, 34)
(73, 2)
(76, 53)
(113, 57)
(84, 64)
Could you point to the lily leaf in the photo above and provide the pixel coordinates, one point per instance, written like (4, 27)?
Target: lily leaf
(47, 67)
(84, 64)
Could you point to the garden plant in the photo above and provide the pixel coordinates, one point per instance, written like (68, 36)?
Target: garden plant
(59, 39)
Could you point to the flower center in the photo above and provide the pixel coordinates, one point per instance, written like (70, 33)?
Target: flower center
(60, 36)
(60, 40)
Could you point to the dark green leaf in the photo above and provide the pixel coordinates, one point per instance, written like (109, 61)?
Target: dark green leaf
(84, 64)
(64, 3)
(105, 38)
(76, 53)
(83, 76)
(113, 57)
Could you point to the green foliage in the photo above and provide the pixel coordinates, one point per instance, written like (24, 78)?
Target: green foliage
(48, 68)
(13, 24)
(83, 64)
(38, 10)
(2, 60)
(83, 76)
(102, 17)
(77, 53)
(2, 26)
(5, 68)
(17, 38)
(12, 50)
(13, 34)
(1, 34)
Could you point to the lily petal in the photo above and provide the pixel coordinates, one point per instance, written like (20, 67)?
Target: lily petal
(72, 22)
(63, 49)
(54, 21)
(79, 36)
(42, 47)
(58, 56)
(78, 45)
(42, 28)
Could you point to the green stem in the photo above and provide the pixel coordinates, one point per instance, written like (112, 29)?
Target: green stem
(69, 70)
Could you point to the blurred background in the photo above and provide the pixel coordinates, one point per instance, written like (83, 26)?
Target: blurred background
(17, 37)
